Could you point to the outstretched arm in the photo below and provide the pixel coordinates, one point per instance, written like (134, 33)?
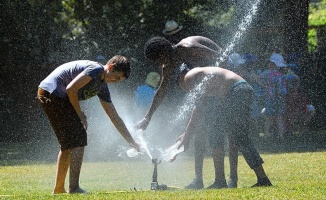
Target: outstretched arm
(189, 132)
(157, 99)
(192, 125)
(118, 123)
(204, 48)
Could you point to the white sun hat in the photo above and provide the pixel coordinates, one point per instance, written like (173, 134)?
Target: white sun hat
(236, 59)
(171, 27)
(277, 59)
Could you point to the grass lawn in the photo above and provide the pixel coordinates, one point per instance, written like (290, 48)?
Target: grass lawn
(294, 175)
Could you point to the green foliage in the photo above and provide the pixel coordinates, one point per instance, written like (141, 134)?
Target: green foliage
(317, 17)
(219, 18)
(67, 16)
(312, 40)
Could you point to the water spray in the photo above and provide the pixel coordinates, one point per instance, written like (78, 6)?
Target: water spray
(241, 29)
(143, 146)
(167, 155)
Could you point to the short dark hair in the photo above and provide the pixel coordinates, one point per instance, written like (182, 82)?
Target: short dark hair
(121, 64)
(156, 46)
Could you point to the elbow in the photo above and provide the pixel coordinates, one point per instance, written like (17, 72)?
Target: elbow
(70, 91)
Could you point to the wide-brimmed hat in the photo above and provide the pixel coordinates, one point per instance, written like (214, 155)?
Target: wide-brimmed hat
(171, 27)
(235, 59)
(278, 60)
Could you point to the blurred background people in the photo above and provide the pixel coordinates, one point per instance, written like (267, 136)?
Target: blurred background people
(144, 94)
(235, 63)
(299, 110)
(274, 82)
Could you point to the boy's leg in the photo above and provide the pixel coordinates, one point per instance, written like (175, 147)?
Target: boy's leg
(233, 160)
(76, 161)
(218, 158)
(267, 126)
(199, 143)
(280, 125)
(262, 179)
(62, 168)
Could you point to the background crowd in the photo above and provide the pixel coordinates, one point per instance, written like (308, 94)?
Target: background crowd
(281, 107)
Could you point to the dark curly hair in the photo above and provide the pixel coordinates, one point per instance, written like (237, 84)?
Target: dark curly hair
(156, 46)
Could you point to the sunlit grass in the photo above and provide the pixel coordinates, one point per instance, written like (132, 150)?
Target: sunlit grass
(294, 175)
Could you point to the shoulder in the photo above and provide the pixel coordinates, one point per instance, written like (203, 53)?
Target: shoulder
(93, 69)
(192, 40)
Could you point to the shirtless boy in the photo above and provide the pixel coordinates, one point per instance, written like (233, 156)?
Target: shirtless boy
(236, 96)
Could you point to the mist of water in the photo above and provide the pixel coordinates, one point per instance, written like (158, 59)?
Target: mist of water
(107, 139)
(139, 138)
(105, 143)
(193, 95)
(191, 99)
(242, 28)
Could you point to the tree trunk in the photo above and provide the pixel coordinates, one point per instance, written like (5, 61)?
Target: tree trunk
(296, 26)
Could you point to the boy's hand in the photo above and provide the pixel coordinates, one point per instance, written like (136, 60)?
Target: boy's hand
(43, 99)
(135, 145)
(184, 141)
(142, 124)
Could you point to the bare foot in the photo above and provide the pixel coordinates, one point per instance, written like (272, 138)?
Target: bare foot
(78, 190)
(59, 191)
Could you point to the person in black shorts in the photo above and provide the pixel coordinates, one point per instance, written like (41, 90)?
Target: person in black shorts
(59, 95)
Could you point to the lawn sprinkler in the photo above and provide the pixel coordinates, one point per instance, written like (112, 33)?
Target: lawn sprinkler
(154, 184)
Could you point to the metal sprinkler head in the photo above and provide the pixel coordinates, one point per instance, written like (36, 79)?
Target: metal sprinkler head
(154, 184)
(155, 161)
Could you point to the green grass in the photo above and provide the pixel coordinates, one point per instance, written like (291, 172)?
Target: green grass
(296, 175)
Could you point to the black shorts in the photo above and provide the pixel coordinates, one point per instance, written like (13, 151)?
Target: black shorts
(64, 120)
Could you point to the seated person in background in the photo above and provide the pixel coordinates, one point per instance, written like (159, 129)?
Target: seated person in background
(235, 63)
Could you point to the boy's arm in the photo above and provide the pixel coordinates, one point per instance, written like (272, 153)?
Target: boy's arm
(201, 47)
(118, 123)
(157, 99)
(72, 91)
(207, 53)
(191, 128)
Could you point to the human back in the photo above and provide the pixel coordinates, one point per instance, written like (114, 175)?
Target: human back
(217, 81)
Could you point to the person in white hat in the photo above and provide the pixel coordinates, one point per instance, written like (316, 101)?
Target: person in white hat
(275, 84)
(171, 27)
(172, 31)
(234, 62)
